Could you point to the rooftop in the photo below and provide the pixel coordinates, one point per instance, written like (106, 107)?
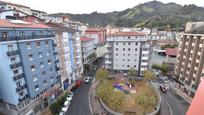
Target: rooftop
(196, 107)
(84, 39)
(171, 51)
(128, 34)
(3, 2)
(20, 24)
(198, 30)
(60, 28)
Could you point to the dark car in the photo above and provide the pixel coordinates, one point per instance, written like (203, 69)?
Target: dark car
(163, 88)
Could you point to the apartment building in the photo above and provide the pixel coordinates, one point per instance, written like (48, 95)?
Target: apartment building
(88, 52)
(190, 60)
(29, 79)
(125, 50)
(39, 14)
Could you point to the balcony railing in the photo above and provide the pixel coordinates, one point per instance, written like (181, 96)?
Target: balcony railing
(18, 77)
(18, 89)
(12, 53)
(24, 98)
(10, 38)
(15, 65)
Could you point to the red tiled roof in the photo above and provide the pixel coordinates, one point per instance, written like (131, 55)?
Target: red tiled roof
(14, 4)
(196, 107)
(171, 51)
(9, 24)
(127, 34)
(84, 39)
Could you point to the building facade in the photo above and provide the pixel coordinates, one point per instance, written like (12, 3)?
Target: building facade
(99, 35)
(88, 52)
(125, 50)
(29, 78)
(190, 62)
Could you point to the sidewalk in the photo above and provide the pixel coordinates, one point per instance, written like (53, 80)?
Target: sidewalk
(95, 104)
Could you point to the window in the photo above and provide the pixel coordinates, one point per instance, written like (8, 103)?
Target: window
(34, 78)
(37, 44)
(128, 54)
(50, 70)
(123, 59)
(135, 66)
(128, 60)
(21, 34)
(18, 84)
(28, 45)
(48, 53)
(46, 43)
(32, 67)
(116, 49)
(116, 54)
(15, 72)
(144, 49)
(13, 60)
(43, 74)
(51, 78)
(36, 87)
(49, 61)
(45, 82)
(135, 49)
(128, 49)
(128, 65)
(123, 43)
(41, 64)
(21, 94)
(135, 54)
(123, 49)
(10, 47)
(116, 43)
(136, 43)
(123, 54)
(129, 43)
(128, 37)
(135, 60)
(39, 54)
(4, 35)
(30, 57)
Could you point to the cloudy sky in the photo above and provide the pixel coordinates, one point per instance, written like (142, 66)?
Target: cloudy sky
(88, 6)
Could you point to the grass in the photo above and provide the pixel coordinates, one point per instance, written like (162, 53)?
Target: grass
(144, 101)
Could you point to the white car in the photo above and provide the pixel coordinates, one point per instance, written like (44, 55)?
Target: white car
(70, 96)
(65, 106)
(87, 79)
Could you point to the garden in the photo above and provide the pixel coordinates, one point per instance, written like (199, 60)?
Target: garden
(124, 95)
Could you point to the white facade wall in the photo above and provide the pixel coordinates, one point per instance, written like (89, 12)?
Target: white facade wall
(87, 49)
(123, 52)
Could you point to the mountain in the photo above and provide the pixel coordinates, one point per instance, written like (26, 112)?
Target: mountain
(151, 14)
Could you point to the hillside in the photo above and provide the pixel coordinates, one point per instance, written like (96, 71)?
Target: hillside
(150, 14)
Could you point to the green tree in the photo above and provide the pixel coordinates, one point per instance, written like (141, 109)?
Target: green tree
(55, 108)
(131, 72)
(163, 68)
(148, 74)
(102, 74)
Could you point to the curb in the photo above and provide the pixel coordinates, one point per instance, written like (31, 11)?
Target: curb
(90, 96)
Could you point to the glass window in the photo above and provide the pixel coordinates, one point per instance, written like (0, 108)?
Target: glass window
(34, 78)
(46, 43)
(128, 49)
(43, 74)
(37, 44)
(36, 87)
(41, 64)
(116, 49)
(129, 43)
(136, 43)
(21, 34)
(48, 53)
(28, 45)
(51, 78)
(15, 72)
(32, 67)
(49, 61)
(39, 54)
(4, 35)
(135, 49)
(45, 82)
(30, 57)
(10, 47)
(116, 43)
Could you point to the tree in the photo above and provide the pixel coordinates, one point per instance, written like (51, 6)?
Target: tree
(102, 74)
(131, 72)
(163, 68)
(148, 74)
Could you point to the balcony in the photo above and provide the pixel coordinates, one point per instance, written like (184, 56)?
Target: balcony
(24, 98)
(18, 77)
(12, 53)
(18, 89)
(57, 68)
(107, 62)
(15, 65)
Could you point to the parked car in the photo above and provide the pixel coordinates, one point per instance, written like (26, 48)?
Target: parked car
(70, 96)
(78, 83)
(87, 79)
(163, 88)
(61, 113)
(65, 106)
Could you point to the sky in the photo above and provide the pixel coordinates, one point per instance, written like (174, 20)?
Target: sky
(89, 6)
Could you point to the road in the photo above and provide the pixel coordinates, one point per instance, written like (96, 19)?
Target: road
(80, 102)
(170, 99)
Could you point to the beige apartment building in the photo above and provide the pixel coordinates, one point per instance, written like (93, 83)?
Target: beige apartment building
(190, 60)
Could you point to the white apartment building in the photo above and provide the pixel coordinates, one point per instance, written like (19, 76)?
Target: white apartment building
(125, 50)
(39, 14)
(88, 48)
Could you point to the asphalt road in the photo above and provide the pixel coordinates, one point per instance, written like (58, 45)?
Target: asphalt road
(170, 99)
(80, 102)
